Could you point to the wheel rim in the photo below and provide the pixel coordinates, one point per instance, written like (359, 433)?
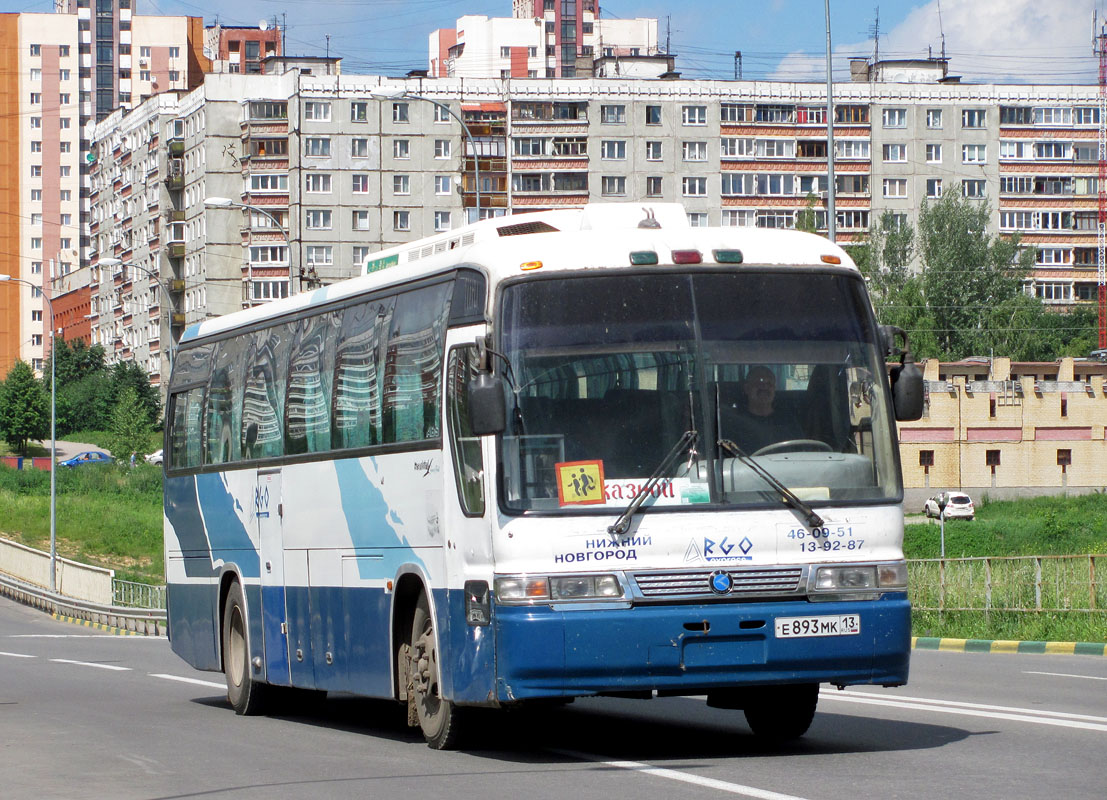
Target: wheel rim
(424, 672)
(236, 666)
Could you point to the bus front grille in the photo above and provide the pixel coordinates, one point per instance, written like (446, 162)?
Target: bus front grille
(745, 581)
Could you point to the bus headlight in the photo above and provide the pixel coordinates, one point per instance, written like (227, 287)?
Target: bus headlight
(530, 588)
(847, 578)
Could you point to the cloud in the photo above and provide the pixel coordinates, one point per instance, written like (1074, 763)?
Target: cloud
(1019, 41)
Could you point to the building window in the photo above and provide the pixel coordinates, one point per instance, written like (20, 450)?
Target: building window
(653, 150)
(694, 151)
(318, 219)
(973, 188)
(653, 186)
(933, 154)
(317, 111)
(933, 188)
(442, 114)
(320, 254)
(359, 148)
(442, 220)
(613, 185)
(974, 153)
(991, 458)
(694, 186)
(613, 114)
(360, 222)
(359, 111)
(926, 458)
(442, 184)
(697, 219)
(401, 220)
(693, 115)
(401, 149)
(895, 153)
(400, 113)
(1064, 458)
(934, 118)
(613, 149)
(895, 187)
(653, 115)
(319, 183)
(401, 184)
(317, 146)
(441, 148)
(895, 117)
(973, 117)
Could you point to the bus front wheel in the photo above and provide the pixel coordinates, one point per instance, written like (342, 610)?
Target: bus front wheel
(246, 695)
(782, 713)
(439, 719)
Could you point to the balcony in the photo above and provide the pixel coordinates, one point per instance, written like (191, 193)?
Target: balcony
(176, 148)
(176, 249)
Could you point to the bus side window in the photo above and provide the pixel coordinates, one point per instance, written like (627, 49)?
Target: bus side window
(307, 402)
(413, 364)
(263, 396)
(184, 438)
(358, 374)
(223, 404)
(468, 461)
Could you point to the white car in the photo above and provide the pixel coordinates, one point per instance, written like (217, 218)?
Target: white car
(958, 505)
(154, 457)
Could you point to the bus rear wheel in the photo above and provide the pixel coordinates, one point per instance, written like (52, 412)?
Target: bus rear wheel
(782, 713)
(246, 696)
(439, 719)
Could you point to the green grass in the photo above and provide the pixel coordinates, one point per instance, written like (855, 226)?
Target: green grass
(107, 515)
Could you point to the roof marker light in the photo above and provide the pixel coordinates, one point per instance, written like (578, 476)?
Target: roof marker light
(642, 257)
(831, 259)
(687, 257)
(727, 256)
(529, 265)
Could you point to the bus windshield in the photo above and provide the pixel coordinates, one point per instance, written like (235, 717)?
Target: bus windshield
(779, 367)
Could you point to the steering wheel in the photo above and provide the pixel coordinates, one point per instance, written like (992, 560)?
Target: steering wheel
(793, 444)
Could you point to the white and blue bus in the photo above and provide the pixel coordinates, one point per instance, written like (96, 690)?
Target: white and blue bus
(524, 461)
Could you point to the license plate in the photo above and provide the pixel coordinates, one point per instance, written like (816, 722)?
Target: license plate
(800, 627)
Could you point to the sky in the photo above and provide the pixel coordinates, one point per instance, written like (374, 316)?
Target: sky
(1019, 41)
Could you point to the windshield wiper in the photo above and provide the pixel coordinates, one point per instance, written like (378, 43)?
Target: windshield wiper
(812, 519)
(623, 522)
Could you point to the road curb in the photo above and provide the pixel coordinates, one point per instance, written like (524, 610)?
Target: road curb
(1008, 646)
(100, 626)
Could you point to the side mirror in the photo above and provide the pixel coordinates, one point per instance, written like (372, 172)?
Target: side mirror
(487, 408)
(907, 379)
(907, 390)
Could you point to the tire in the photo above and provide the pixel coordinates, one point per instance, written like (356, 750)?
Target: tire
(440, 720)
(246, 696)
(782, 713)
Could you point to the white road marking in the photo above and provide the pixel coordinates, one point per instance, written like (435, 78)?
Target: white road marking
(196, 681)
(91, 664)
(16, 655)
(1059, 719)
(1065, 675)
(673, 775)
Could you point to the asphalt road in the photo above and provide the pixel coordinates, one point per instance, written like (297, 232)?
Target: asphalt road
(84, 714)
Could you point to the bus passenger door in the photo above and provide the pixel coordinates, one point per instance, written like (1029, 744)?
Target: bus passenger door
(269, 510)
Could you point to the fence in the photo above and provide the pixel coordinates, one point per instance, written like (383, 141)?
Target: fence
(1009, 583)
(128, 594)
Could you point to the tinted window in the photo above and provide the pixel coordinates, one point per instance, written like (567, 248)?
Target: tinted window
(358, 374)
(413, 364)
(262, 397)
(224, 404)
(310, 372)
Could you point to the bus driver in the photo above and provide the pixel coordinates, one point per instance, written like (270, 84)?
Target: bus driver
(752, 421)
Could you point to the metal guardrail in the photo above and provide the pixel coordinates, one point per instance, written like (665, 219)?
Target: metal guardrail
(143, 621)
(1009, 583)
(137, 595)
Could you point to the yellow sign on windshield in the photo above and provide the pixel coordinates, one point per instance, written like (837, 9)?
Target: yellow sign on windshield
(579, 483)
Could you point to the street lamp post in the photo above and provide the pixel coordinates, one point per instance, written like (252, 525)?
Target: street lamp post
(226, 202)
(53, 439)
(382, 93)
(116, 262)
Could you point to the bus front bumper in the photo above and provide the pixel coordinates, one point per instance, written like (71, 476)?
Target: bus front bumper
(547, 652)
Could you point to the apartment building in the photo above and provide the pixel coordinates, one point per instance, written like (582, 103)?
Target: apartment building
(62, 71)
(547, 39)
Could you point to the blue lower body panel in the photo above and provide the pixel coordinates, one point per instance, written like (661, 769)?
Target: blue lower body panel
(541, 652)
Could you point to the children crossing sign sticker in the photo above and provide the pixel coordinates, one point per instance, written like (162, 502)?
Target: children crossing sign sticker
(579, 483)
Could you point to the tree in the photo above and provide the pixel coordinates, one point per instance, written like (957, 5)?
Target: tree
(128, 374)
(806, 219)
(972, 282)
(24, 407)
(76, 361)
(130, 428)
